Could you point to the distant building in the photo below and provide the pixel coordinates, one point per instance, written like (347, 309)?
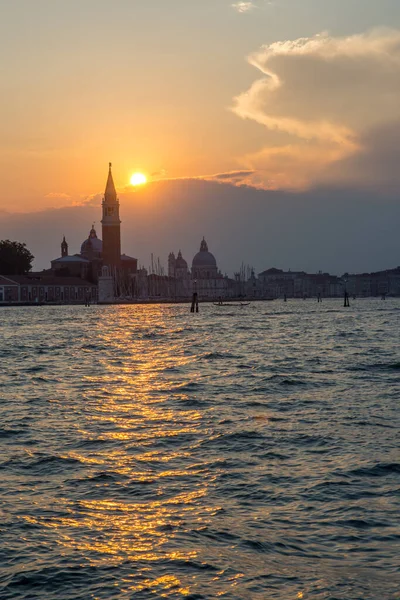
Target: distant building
(181, 267)
(64, 248)
(74, 266)
(9, 290)
(92, 247)
(179, 281)
(111, 225)
(380, 283)
(252, 288)
(276, 283)
(36, 288)
(94, 252)
(204, 277)
(207, 280)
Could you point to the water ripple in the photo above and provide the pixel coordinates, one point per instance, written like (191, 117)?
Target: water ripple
(150, 453)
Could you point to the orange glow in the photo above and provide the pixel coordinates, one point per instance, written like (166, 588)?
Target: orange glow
(138, 179)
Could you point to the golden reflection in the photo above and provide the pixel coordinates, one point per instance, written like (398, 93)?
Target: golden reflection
(154, 456)
(166, 582)
(116, 531)
(136, 408)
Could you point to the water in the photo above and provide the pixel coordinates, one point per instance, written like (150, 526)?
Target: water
(239, 453)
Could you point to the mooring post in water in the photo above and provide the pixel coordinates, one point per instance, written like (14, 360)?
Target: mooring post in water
(195, 303)
(285, 298)
(195, 298)
(319, 297)
(346, 295)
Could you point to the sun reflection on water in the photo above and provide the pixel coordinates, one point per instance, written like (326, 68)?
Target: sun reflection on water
(166, 455)
(132, 406)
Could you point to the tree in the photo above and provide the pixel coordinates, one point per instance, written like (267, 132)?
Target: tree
(15, 258)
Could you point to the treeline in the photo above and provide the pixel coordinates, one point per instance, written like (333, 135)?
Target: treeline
(15, 258)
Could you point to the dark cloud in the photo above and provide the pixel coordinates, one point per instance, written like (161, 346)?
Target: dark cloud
(376, 166)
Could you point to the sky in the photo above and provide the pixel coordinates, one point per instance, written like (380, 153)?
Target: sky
(297, 100)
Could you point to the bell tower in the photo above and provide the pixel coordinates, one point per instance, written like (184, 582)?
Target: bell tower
(171, 264)
(111, 225)
(64, 248)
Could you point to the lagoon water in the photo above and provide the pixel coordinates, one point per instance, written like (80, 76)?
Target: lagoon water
(245, 453)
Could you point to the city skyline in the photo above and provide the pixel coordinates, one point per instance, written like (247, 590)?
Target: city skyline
(240, 225)
(101, 262)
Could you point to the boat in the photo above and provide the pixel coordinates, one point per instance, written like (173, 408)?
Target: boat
(231, 304)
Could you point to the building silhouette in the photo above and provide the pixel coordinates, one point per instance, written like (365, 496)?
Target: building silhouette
(111, 225)
(94, 252)
(100, 272)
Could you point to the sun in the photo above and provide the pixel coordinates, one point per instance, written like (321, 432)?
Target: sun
(138, 179)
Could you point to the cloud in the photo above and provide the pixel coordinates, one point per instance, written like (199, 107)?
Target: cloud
(243, 7)
(376, 165)
(322, 96)
(57, 196)
(240, 177)
(91, 200)
(162, 173)
(232, 177)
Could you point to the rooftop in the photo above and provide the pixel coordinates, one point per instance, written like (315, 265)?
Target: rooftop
(6, 281)
(69, 259)
(126, 257)
(37, 279)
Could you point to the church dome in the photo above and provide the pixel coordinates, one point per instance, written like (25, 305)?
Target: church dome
(92, 244)
(180, 262)
(204, 258)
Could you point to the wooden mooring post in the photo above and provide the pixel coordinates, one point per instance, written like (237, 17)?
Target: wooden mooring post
(195, 303)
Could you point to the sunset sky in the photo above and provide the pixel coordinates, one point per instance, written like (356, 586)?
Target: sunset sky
(287, 95)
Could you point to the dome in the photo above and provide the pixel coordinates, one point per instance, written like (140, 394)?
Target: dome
(180, 262)
(204, 258)
(92, 243)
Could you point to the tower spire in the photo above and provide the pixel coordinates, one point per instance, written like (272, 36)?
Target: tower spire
(203, 245)
(111, 193)
(111, 224)
(64, 247)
